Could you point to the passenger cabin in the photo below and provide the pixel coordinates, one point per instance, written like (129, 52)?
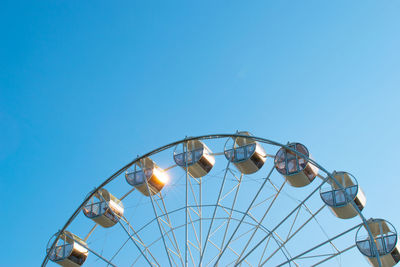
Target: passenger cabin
(340, 200)
(385, 238)
(147, 177)
(195, 157)
(246, 154)
(104, 208)
(295, 168)
(69, 251)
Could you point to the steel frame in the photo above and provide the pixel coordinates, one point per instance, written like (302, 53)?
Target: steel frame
(205, 137)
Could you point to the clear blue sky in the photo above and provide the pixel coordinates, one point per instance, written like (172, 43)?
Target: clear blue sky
(85, 86)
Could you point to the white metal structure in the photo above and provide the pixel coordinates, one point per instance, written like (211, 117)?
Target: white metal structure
(223, 199)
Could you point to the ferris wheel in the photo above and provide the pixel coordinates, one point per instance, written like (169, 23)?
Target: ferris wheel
(224, 200)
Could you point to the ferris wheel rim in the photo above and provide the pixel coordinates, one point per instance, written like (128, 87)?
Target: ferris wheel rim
(207, 137)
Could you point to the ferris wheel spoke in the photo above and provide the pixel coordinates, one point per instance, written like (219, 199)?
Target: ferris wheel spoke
(283, 250)
(127, 193)
(264, 250)
(195, 233)
(278, 191)
(232, 208)
(335, 255)
(135, 261)
(293, 223)
(318, 256)
(218, 248)
(212, 243)
(191, 255)
(193, 245)
(237, 254)
(90, 232)
(196, 202)
(195, 211)
(234, 188)
(322, 229)
(244, 215)
(169, 224)
(135, 241)
(262, 201)
(322, 244)
(198, 246)
(214, 213)
(119, 249)
(159, 224)
(140, 241)
(282, 221)
(298, 230)
(173, 259)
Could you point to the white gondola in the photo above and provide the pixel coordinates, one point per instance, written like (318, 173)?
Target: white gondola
(385, 238)
(340, 200)
(104, 208)
(246, 154)
(296, 169)
(69, 251)
(195, 156)
(147, 173)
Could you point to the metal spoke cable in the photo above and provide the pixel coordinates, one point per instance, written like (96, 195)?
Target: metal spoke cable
(247, 211)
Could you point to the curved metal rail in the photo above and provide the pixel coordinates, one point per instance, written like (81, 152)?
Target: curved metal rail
(217, 136)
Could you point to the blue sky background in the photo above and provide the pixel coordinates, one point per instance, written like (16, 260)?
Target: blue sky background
(85, 86)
